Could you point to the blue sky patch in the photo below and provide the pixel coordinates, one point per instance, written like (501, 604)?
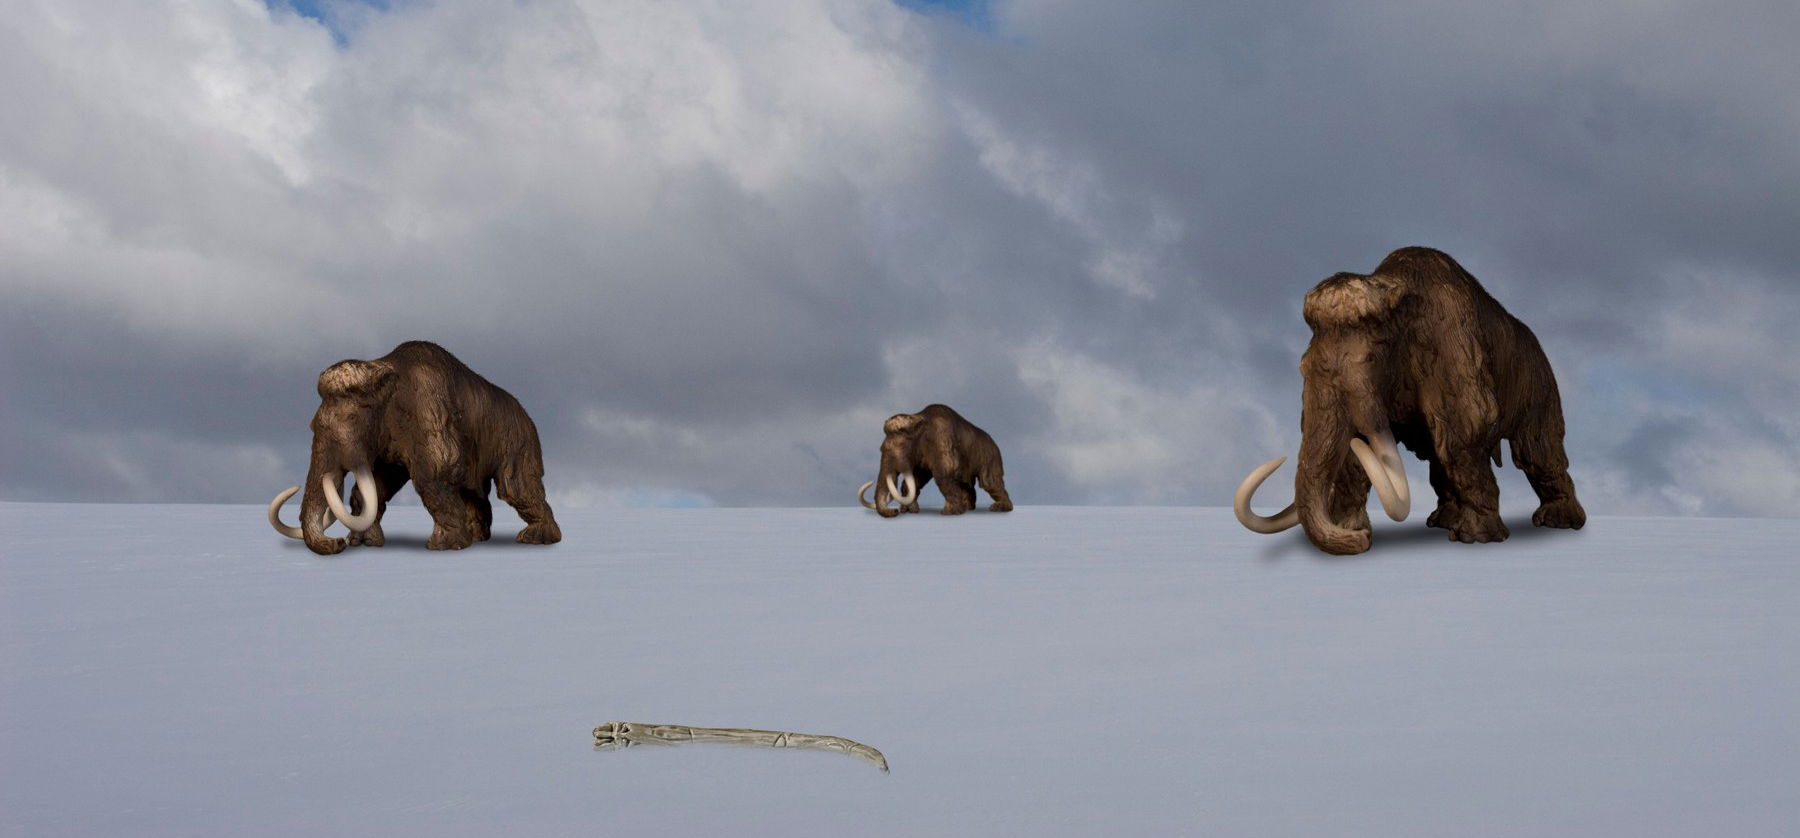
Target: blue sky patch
(977, 14)
(325, 12)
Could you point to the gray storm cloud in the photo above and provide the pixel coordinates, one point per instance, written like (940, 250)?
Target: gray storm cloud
(712, 246)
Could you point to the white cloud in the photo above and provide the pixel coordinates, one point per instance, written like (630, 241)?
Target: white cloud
(1118, 439)
(1123, 256)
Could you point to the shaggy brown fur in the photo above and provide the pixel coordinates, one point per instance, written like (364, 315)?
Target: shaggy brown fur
(418, 413)
(1420, 347)
(938, 442)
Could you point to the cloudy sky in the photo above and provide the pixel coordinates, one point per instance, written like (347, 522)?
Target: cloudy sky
(711, 245)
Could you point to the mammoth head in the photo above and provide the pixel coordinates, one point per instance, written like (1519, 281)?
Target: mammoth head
(1347, 445)
(900, 448)
(899, 457)
(902, 431)
(352, 398)
(346, 430)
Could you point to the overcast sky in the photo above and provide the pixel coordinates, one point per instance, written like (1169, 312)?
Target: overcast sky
(712, 245)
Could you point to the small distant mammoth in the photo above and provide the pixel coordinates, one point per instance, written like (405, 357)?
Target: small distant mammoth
(1417, 354)
(935, 443)
(418, 414)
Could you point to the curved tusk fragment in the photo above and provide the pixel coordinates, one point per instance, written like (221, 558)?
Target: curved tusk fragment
(859, 495)
(627, 734)
(1240, 503)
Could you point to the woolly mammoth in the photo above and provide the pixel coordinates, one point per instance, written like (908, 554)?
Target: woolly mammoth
(418, 414)
(1417, 354)
(935, 443)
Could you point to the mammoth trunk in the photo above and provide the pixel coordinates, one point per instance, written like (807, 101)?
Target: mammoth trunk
(1338, 466)
(315, 512)
(1318, 475)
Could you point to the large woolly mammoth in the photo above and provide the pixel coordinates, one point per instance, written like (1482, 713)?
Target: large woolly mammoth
(936, 443)
(418, 413)
(1417, 354)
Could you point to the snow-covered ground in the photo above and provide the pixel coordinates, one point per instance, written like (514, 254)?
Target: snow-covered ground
(181, 670)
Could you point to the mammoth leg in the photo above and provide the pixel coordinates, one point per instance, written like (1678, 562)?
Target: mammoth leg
(995, 485)
(486, 508)
(439, 473)
(480, 511)
(521, 485)
(452, 515)
(389, 478)
(959, 497)
(477, 499)
(1547, 467)
(1464, 431)
(1446, 494)
(1476, 498)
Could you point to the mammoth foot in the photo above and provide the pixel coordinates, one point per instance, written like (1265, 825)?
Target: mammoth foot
(1442, 516)
(543, 532)
(371, 537)
(911, 507)
(445, 539)
(1000, 506)
(1562, 514)
(1472, 527)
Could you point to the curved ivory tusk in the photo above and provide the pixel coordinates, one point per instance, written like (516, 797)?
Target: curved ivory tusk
(1384, 446)
(1240, 503)
(859, 495)
(275, 515)
(1397, 503)
(912, 489)
(365, 485)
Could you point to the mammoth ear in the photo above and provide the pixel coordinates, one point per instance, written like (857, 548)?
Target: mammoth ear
(354, 378)
(902, 423)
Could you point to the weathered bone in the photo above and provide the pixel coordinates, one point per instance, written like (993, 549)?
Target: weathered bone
(627, 734)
